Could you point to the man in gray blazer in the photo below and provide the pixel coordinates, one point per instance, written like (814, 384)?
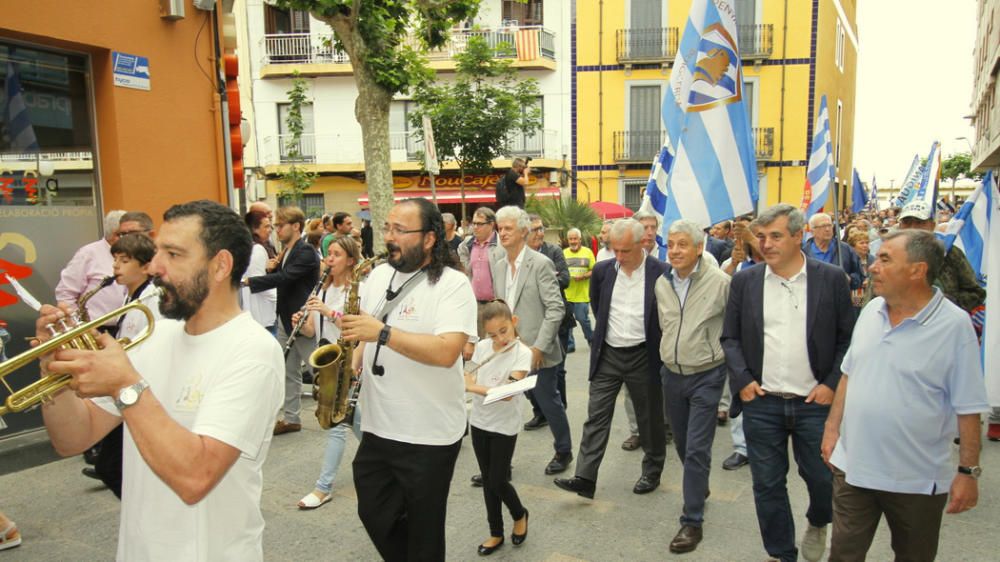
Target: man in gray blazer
(526, 280)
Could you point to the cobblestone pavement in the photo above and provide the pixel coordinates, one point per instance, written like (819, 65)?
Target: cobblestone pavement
(63, 516)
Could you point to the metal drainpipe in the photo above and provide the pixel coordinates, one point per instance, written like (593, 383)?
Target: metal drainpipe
(781, 120)
(600, 103)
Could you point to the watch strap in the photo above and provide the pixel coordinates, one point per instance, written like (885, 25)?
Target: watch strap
(138, 387)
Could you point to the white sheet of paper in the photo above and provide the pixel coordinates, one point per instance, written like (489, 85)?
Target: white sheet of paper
(511, 389)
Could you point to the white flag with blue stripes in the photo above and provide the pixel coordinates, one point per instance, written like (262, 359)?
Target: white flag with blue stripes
(707, 169)
(911, 181)
(819, 174)
(969, 228)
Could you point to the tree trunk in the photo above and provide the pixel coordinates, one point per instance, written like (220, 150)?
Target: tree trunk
(371, 109)
(461, 187)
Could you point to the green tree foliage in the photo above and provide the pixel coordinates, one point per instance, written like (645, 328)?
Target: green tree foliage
(384, 39)
(957, 166)
(562, 215)
(297, 179)
(475, 115)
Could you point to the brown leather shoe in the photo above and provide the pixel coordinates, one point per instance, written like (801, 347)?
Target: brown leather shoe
(631, 444)
(284, 427)
(686, 540)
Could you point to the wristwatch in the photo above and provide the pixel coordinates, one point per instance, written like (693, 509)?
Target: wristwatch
(383, 336)
(129, 395)
(973, 471)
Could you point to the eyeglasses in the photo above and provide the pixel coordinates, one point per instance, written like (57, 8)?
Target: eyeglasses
(397, 231)
(478, 224)
(538, 229)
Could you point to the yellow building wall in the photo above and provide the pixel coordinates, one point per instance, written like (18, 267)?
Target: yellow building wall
(602, 96)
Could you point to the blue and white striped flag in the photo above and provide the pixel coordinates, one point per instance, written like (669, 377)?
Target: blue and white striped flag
(706, 170)
(819, 175)
(969, 228)
(20, 133)
(930, 179)
(911, 181)
(873, 198)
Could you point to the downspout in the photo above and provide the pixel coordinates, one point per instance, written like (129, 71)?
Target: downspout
(781, 119)
(600, 103)
(230, 195)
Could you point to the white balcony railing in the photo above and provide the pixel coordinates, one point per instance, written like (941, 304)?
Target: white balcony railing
(523, 43)
(347, 148)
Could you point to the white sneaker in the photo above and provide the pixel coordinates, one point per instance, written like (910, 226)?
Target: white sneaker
(814, 543)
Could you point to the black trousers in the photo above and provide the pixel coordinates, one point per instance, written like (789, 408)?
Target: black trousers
(109, 460)
(494, 452)
(403, 496)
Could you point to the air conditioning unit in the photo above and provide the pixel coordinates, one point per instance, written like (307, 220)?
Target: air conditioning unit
(207, 5)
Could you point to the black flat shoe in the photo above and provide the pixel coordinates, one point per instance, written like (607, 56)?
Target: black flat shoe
(487, 550)
(477, 480)
(646, 485)
(516, 539)
(559, 463)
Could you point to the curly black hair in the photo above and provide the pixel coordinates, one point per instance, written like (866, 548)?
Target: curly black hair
(432, 221)
(221, 229)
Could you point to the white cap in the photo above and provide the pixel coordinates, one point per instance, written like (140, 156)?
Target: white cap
(919, 210)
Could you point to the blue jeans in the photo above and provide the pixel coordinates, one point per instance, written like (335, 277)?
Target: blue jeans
(335, 443)
(581, 311)
(546, 393)
(768, 424)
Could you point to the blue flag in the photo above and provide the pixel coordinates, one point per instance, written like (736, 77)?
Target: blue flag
(859, 195)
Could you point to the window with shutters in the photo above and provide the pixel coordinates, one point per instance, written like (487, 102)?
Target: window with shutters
(305, 150)
(644, 135)
(522, 12)
(631, 194)
(646, 35)
(281, 21)
(401, 135)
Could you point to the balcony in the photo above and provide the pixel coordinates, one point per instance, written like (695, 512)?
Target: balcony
(313, 54)
(344, 152)
(653, 45)
(632, 147)
(756, 42)
(763, 138)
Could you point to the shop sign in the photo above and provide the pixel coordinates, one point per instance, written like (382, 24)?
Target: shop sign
(131, 71)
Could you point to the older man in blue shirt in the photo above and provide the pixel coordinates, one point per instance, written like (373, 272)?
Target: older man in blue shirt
(913, 368)
(823, 246)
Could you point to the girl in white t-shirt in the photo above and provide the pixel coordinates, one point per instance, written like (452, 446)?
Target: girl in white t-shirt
(495, 426)
(324, 311)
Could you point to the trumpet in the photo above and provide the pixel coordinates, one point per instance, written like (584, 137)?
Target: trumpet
(71, 333)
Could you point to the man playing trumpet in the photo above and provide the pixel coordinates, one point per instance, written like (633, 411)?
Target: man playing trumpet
(198, 399)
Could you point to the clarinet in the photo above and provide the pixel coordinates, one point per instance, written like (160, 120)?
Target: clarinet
(298, 325)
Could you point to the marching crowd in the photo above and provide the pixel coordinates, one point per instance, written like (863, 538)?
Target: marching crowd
(755, 324)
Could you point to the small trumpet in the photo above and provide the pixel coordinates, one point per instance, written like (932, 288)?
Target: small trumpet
(71, 333)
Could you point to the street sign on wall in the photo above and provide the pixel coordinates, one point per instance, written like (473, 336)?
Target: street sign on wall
(131, 71)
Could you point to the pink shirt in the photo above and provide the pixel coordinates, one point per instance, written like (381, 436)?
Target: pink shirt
(85, 270)
(479, 267)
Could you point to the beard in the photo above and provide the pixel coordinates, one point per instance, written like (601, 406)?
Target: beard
(409, 260)
(182, 301)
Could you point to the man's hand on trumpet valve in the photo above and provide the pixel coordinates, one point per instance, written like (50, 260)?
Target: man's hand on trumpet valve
(101, 372)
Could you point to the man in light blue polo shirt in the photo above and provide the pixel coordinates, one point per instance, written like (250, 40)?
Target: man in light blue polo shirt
(914, 369)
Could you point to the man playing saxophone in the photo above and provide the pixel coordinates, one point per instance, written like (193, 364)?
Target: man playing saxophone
(198, 399)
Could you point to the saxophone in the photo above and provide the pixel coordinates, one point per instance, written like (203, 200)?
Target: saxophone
(335, 386)
(81, 303)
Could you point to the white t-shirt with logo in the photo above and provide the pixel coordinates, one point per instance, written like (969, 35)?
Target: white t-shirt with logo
(502, 417)
(414, 402)
(226, 384)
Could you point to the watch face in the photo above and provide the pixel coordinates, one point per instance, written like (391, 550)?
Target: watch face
(128, 396)
(976, 471)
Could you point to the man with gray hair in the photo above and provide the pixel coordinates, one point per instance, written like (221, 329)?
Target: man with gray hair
(885, 460)
(526, 281)
(580, 260)
(824, 246)
(450, 234)
(86, 270)
(623, 301)
(787, 328)
(691, 300)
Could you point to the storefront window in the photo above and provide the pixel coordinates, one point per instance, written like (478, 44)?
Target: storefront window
(46, 131)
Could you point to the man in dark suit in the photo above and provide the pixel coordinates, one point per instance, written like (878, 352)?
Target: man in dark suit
(788, 325)
(295, 275)
(623, 350)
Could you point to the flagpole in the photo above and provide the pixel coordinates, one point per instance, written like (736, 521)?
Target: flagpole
(836, 225)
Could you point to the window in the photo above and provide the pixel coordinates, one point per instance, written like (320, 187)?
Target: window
(401, 135)
(646, 34)
(750, 98)
(279, 21)
(839, 53)
(840, 121)
(644, 136)
(522, 12)
(305, 150)
(528, 143)
(312, 204)
(46, 137)
(631, 195)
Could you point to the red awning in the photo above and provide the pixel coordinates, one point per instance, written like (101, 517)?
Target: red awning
(455, 196)
(607, 210)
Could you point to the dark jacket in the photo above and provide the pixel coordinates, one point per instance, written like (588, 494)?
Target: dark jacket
(294, 280)
(508, 191)
(602, 284)
(829, 324)
(849, 258)
(555, 254)
(958, 282)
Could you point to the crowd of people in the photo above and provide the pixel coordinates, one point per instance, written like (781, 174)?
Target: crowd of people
(756, 324)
